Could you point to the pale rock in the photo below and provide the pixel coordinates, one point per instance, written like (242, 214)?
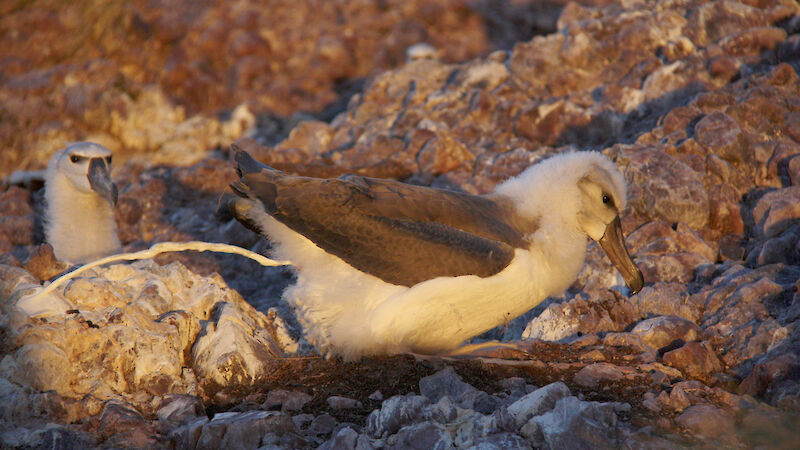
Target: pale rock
(92, 293)
(232, 351)
(473, 426)
(345, 439)
(554, 323)
(500, 441)
(178, 409)
(302, 420)
(515, 386)
(235, 430)
(337, 402)
(322, 425)
(443, 411)
(576, 424)
(121, 426)
(490, 74)
(188, 434)
(45, 367)
(394, 413)
(143, 321)
(52, 435)
(537, 402)
(423, 436)
(446, 383)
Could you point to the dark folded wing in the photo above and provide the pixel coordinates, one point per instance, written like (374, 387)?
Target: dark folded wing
(400, 233)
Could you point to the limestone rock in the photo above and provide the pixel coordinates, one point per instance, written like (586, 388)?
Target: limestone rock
(122, 318)
(574, 423)
(178, 409)
(242, 430)
(446, 383)
(394, 413)
(424, 435)
(322, 425)
(337, 402)
(346, 439)
(537, 402)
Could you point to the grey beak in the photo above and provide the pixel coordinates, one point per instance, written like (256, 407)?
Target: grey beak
(613, 244)
(100, 180)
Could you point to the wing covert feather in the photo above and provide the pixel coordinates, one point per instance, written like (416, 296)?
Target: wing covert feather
(400, 233)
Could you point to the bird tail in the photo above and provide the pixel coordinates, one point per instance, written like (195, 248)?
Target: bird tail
(244, 162)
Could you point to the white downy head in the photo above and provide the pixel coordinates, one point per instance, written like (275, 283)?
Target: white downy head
(79, 219)
(581, 192)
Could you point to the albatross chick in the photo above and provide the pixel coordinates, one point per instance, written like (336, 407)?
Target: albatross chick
(384, 267)
(79, 215)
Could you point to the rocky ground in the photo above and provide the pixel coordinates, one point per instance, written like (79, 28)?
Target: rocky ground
(697, 101)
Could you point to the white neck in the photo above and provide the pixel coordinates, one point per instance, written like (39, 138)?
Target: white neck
(80, 226)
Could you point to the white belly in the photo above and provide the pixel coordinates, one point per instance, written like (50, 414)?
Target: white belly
(349, 313)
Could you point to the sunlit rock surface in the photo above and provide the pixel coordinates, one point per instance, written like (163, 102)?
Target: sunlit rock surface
(697, 102)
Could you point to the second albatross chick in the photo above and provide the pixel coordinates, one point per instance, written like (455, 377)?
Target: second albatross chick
(384, 267)
(79, 215)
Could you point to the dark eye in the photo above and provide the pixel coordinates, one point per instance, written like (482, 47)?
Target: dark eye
(108, 160)
(75, 158)
(606, 199)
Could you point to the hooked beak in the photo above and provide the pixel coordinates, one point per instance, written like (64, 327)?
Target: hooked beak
(100, 180)
(613, 244)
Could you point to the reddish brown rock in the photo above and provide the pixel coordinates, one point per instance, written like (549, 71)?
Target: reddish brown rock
(776, 211)
(662, 331)
(695, 359)
(663, 188)
(593, 374)
(18, 229)
(706, 421)
(765, 373)
(667, 299)
(43, 264)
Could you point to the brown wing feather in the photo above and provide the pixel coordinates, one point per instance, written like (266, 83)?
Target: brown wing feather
(400, 233)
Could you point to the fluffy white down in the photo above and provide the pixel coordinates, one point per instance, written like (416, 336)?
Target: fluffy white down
(79, 223)
(349, 313)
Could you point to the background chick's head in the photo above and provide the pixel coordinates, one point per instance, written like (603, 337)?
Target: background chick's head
(87, 168)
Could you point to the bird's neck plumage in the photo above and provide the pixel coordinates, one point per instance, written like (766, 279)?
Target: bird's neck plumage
(80, 226)
(549, 193)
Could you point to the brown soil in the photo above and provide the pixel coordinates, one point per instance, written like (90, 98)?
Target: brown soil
(400, 374)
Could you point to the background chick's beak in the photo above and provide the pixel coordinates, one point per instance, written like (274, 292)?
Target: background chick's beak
(613, 244)
(100, 180)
